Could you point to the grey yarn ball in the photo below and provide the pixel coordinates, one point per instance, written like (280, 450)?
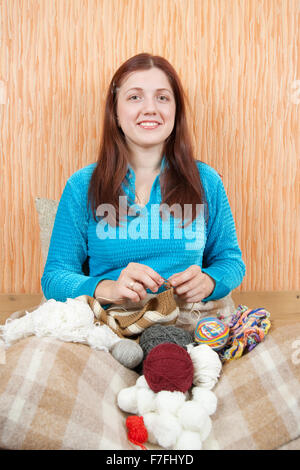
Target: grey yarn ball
(157, 334)
(127, 352)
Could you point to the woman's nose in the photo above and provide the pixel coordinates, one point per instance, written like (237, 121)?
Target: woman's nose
(149, 105)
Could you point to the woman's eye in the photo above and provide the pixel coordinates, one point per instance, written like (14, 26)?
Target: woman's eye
(133, 97)
(163, 98)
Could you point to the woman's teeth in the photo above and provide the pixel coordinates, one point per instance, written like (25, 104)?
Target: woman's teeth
(149, 124)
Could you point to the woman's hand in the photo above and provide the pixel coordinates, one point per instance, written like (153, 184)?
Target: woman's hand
(192, 285)
(131, 284)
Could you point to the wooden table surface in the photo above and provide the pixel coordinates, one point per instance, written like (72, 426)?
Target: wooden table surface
(284, 307)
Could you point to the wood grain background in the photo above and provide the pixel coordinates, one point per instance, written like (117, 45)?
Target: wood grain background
(239, 64)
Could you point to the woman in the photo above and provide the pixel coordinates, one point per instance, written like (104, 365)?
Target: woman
(116, 213)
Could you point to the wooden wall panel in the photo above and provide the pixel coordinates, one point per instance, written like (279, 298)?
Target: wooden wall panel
(239, 62)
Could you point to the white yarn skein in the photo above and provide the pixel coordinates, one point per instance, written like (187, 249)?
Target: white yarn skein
(207, 365)
(71, 321)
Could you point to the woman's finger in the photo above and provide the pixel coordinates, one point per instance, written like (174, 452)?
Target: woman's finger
(186, 287)
(152, 275)
(139, 289)
(179, 278)
(130, 294)
(142, 277)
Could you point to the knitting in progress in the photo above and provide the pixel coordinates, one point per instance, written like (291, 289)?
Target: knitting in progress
(159, 309)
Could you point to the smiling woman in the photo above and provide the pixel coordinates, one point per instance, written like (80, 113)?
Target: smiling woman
(141, 107)
(145, 157)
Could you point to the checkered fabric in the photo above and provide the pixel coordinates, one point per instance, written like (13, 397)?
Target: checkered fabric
(259, 396)
(57, 395)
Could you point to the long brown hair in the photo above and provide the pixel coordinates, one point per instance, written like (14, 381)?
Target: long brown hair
(180, 181)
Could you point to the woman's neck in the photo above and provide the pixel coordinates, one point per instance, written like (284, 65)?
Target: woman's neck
(146, 161)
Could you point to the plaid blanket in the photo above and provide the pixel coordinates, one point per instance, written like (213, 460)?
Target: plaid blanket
(57, 395)
(259, 396)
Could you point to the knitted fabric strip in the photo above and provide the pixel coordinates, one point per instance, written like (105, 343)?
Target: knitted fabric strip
(129, 322)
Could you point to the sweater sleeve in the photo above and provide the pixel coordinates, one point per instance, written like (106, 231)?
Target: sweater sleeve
(63, 276)
(222, 257)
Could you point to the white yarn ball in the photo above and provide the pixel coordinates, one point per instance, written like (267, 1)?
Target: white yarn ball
(205, 429)
(145, 400)
(207, 366)
(142, 382)
(164, 427)
(169, 401)
(206, 398)
(192, 416)
(150, 424)
(188, 440)
(127, 400)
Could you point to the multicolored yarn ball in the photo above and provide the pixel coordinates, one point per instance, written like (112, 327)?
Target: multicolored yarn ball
(247, 328)
(169, 367)
(158, 334)
(137, 432)
(211, 331)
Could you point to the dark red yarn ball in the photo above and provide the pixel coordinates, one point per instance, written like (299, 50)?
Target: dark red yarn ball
(168, 366)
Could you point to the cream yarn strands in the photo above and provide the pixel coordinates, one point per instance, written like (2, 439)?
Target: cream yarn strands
(207, 365)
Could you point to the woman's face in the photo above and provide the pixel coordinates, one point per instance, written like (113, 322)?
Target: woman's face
(146, 108)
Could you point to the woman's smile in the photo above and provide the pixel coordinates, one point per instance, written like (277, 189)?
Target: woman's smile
(149, 125)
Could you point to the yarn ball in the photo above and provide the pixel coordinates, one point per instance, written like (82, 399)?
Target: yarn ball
(207, 366)
(145, 400)
(128, 353)
(163, 429)
(169, 401)
(189, 440)
(192, 416)
(211, 331)
(168, 367)
(137, 432)
(207, 398)
(127, 400)
(158, 334)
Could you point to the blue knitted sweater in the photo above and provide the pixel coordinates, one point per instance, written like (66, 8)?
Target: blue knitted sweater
(144, 238)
